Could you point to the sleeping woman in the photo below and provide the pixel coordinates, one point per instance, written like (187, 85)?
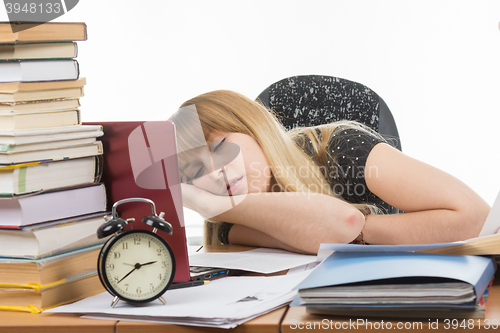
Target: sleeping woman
(257, 184)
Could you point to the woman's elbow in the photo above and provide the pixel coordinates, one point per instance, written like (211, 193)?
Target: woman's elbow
(341, 227)
(355, 223)
(349, 225)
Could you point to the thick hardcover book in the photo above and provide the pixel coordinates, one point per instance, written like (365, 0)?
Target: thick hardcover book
(8, 99)
(39, 106)
(30, 32)
(18, 87)
(50, 238)
(53, 205)
(46, 138)
(39, 70)
(38, 51)
(29, 120)
(28, 178)
(51, 270)
(37, 300)
(52, 154)
(118, 176)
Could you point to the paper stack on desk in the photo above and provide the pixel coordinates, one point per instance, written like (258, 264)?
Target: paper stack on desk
(261, 260)
(223, 303)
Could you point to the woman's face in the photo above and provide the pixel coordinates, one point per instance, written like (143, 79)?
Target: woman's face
(234, 165)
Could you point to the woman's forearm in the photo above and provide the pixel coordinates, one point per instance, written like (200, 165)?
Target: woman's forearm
(424, 227)
(242, 235)
(300, 220)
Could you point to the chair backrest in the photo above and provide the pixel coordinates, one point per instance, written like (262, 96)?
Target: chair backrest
(310, 100)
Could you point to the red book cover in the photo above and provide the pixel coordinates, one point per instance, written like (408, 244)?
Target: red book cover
(147, 157)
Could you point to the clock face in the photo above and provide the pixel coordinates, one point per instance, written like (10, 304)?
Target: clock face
(137, 266)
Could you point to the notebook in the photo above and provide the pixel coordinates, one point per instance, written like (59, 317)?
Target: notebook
(140, 160)
(398, 284)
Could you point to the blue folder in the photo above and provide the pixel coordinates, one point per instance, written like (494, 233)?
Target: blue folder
(347, 267)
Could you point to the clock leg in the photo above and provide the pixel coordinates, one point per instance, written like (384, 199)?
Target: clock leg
(162, 300)
(115, 301)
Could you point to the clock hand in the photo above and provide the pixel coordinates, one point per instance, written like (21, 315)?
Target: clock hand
(148, 263)
(137, 266)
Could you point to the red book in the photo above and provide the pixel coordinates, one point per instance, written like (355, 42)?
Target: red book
(121, 182)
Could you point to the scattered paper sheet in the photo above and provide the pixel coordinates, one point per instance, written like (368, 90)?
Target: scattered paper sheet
(223, 303)
(306, 267)
(492, 222)
(262, 260)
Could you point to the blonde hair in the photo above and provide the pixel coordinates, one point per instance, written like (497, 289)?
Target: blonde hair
(227, 111)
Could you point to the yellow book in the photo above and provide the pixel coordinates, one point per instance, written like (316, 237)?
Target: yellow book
(487, 245)
(42, 273)
(36, 299)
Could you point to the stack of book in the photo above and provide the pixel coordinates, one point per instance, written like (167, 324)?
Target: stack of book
(398, 284)
(51, 201)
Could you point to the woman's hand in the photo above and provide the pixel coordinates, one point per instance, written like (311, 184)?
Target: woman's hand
(203, 202)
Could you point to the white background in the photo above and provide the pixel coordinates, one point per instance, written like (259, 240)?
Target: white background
(435, 63)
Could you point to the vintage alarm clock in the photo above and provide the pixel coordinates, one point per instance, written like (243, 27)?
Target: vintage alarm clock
(135, 266)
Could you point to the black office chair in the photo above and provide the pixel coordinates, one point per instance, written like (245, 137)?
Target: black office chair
(310, 100)
(296, 98)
